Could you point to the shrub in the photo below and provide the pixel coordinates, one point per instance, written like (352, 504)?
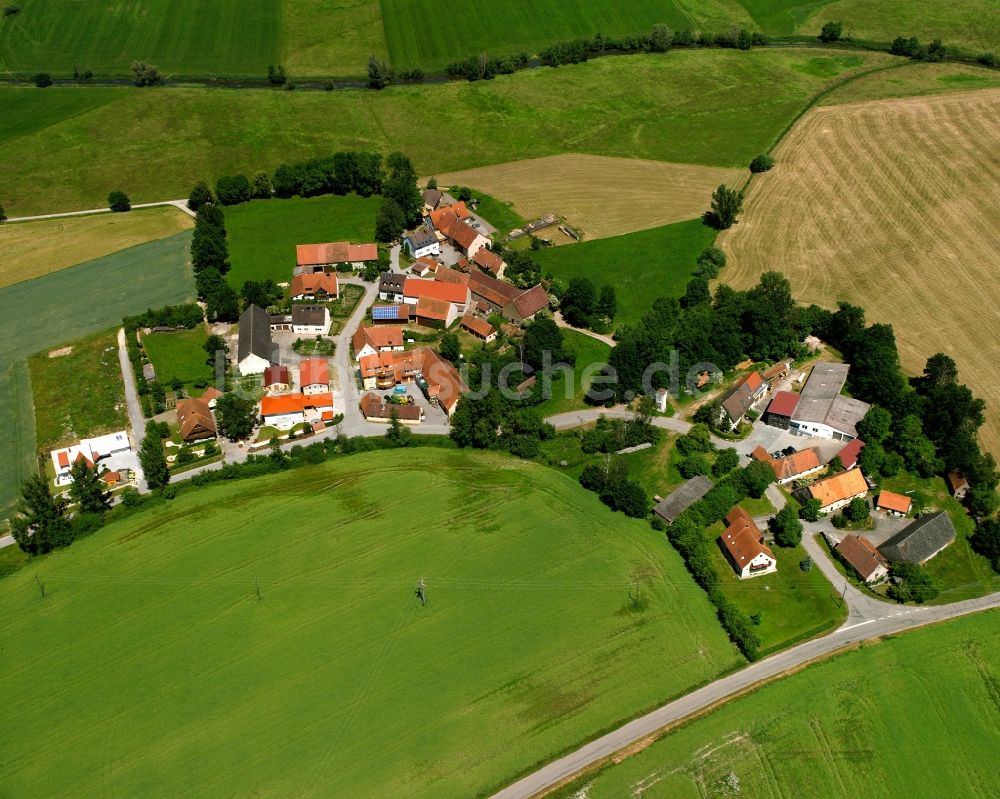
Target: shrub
(831, 32)
(118, 201)
(43, 79)
(11, 10)
(144, 74)
(989, 60)
(233, 189)
(692, 466)
(857, 510)
(761, 163)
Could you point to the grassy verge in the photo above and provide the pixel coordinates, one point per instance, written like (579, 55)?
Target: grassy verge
(179, 356)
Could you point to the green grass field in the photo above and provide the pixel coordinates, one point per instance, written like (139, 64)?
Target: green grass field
(498, 213)
(338, 682)
(78, 394)
(716, 107)
(37, 110)
(568, 393)
(224, 37)
(913, 715)
(262, 234)
(65, 306)
(641, 266)
(179, 355)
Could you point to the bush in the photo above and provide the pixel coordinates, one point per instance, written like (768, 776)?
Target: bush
(233, 189)
(131, 498)
(857, 510)
(118, 201)
(144, 74)
(692, 466)
(761, 163)
(806, 564)
(43, 80)
(831, 32)
(727, 460)
(989, 60)
(811, 510)
(11, 10)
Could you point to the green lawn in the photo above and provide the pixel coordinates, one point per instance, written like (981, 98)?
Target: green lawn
(262, 234)
(338, 681)
(782, 17)
(179, 355)
(67, 305)
(80, 394)
(568, 391)
(498, 213)
(37, 110)
(641, 266)
(717, 107)
(187, 37)
(914, 715)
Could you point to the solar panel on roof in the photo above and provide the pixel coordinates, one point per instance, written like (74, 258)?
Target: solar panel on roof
(384, 313)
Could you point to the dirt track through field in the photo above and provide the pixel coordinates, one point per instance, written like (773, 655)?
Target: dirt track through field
(598, 195)
(893, 205)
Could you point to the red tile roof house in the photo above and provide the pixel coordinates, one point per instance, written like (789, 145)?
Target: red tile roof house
(436, 313)
(957, 485)
(444, 384)
(416, 289)
(464, 238)
(867, 561)
(283, 411)
(447, 216)
(314, 376)
(376, 409)
(479, 328)
(743, 543)
(276, 379)
(387, 369)
(194, 420)
(526, 305)
(315, 286)
(849, 454)
(793, 467)
(893, 503)
(741, 397)
(440, 380)
(319, 257)
(489, 262)
(424, 267)
(372, 340)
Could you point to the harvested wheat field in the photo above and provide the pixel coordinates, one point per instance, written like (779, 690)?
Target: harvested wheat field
(893, 205)
(597, 195)
(33, 249)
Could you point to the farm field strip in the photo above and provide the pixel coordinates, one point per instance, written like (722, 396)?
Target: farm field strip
(601, 196)
(895, 206)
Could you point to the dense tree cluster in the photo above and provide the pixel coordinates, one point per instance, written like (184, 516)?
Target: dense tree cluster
(583, 306)
(610, 481)
(210, 260)
(152, 458)
(612, 435)
(912, 48)
(786, 527)
(401, 201)
(236, 416)
(911, 583)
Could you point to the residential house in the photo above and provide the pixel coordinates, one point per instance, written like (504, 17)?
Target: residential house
(437, 378)
(780, 410)
(314, 376)
(391, 314)
(479, 328)
(792, 467)
(424, 267)
(376, 409)
(742, 397)
(835, 492)
(526, 305)
(283, 411)
(822, 411)
(864, 558)
(440, 381)
(743, 543)
(315, 286)
(920, 540)
(415, 289)
(321, 257)
(90, 450)
(444, 217)
(211, 396)
(432, 199)
(387, 369)
(318, 407)
(465, 238)
(372, 340)
(195, 421)
(255, 349)
(894, 504)
(435, 313)
(390, 286)
(310, 320)
(421, 243)
(682, 498)
(957, 485)
(489, 262)
(849, 454)
(276, 379)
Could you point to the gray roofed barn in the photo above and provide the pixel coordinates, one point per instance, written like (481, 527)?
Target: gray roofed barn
(255, 347)
(679, 500)
(920, 541)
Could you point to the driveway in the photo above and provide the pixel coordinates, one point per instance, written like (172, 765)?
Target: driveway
(136, 418)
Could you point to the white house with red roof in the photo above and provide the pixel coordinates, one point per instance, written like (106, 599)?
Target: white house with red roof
(90, 450)
(314, 376)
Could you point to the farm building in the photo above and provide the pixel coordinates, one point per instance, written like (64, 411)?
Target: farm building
(776, 372)
(957, 485)
(893, 503)
(421, 243)
(211, 396)
(792, 467)
(479, 328)
(371, 340)
(779, 411)
(431, 199)
(314, 376)
(682, 498)
(195, 421)
(315, 286)
(435, 313)
(376, 409)
(835, 492)
(452, 275)
(849, 454)
(276, 379)
(526, 305)
(861, 555)
(920, 540)
(310, 320)
(255, 349)
(320, 257)
(744, 545)
(489, 262)
(742, 397)
(416, 289)
(391, 314)
(822, 411)
(424, 267)
(390, 286)
(494, 294)
(283, 411)
(442, 384)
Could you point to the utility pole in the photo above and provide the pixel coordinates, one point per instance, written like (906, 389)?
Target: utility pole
(41, 586)
(421, 592)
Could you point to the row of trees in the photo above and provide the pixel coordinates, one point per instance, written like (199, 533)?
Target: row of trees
(210, 260)
(401, 203)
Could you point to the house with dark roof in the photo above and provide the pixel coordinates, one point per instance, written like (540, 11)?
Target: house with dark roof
(420, 243)
(255, 348)
(743, 543)
(390, 286)
(861, 555)
(310, 320)
(822, 411)
(920, 540)
(682, 498)
(432, 199)
(376, 409)
(741, 398)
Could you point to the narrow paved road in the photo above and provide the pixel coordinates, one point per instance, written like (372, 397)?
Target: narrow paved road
(180, 204)
(571, 419)
(136, 418)
(561, 322)
(895, 619)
